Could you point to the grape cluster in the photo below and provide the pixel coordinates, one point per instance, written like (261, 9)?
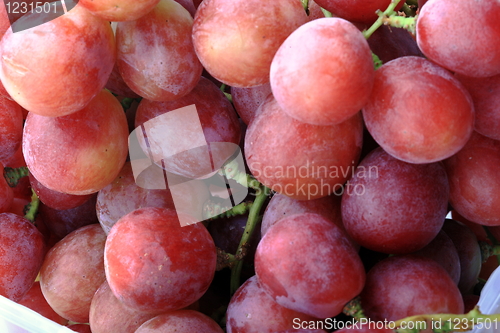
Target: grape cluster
(359, 127)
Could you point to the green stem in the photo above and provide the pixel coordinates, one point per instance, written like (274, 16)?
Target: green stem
(408, 10)
(232, 171)
(408, 23)
(354, 309)
(253, 218)
(412, 2)
(377, 63)
(488, 250)
(31, 209)
(305, 4)
(326, 13)
(12, 175)
(381, 15)
(214, 210)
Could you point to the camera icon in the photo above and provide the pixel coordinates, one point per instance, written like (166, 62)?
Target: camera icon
(171, 152)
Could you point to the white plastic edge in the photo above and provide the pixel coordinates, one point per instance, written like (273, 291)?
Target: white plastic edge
(16, 318)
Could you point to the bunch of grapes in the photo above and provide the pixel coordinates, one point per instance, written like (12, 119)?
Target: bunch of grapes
(249, 166)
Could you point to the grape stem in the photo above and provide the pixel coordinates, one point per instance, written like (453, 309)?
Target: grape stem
(253, 218)
(231, 171)
(354, 309)
(13, 175)
(31, 209)
(305, 4)
(213, 210)
(390, 17)
(326, 13)
(488, 250)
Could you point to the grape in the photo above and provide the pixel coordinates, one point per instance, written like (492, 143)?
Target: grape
(469, 253)
(252, 310)
(484, 93)
(154, 265)
(109, 315)
(307, 264)
(442, 250)
(252, 33)
(23, 187)
(183, 321)
(216, 118)
(389, 43)
(188, 5)
(63, 222)
(123, 196)
(330, 52)
(73, 55)
(282, 206)
(426, 129)
(72, 272)
(474, 182)
(91, 146)
(470, 301)
(35, 301)
(117, 86)
(448, 35)
(81, 328)
(6, 193)
(156, 57)
(315, 11)
(392, 206)
(403, 286)
(11, 127)
(57, 200)
(302, 161)
(119, 10)
(356, 10)
(247, 100)
(21, 255)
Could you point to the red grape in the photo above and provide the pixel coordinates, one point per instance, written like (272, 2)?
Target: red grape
(154, 265)
(392, 206)
(21, 255)
(469, 253)
(109, 315)
(485, 94)
(246, 34)
(247, 100)
(6, 193)
(79, 153)
(330, 52)
(425, 128)
(356, 10)
(72, 272)
(252, 310)
(182, 321)
(156, 56)
(73, 55)
(35, 301)
(216, 117)
(302, 161)
(11, 127)
(448, 34)
(442, 250)
(119, 10)
(56, 200)
(403, 286)
(307, 264)
(474, 180)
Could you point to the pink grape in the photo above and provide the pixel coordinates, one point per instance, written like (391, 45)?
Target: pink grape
(291, 270)
(156, 57)
(252, 33)
(119, 10)
(329, 51)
